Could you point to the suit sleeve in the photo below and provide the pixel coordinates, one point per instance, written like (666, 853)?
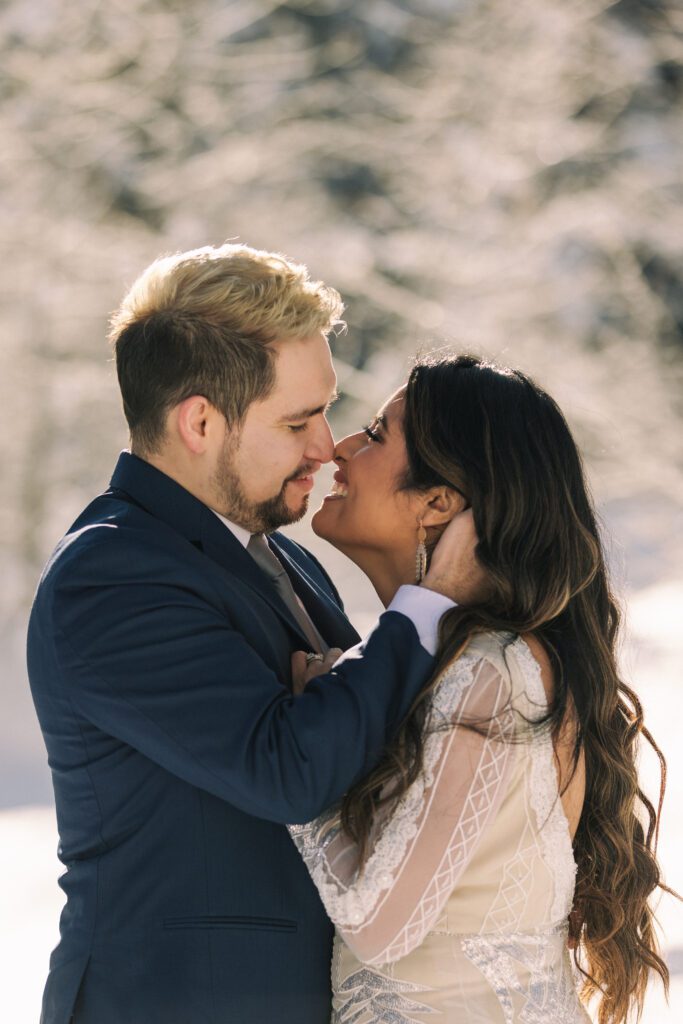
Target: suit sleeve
(160, 667)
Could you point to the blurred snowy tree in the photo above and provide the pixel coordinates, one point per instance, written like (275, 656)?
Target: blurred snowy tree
(503, 177)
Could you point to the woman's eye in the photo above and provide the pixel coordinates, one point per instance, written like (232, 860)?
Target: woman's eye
(372, 434)
(297, 428)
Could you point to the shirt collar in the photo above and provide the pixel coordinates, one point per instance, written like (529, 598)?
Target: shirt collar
(242, 535)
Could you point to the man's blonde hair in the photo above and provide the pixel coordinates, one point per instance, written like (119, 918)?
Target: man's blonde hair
(200, 322)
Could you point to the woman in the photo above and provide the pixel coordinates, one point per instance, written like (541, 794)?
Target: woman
(510, 794)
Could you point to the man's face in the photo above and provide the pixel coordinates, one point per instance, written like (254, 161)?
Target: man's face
(265, 472)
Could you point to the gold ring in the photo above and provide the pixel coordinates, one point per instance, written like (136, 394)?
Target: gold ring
(314, 657)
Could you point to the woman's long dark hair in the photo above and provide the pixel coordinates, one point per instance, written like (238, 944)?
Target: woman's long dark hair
(497, 437)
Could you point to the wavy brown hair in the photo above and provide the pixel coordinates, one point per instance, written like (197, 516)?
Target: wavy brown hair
(495, 436)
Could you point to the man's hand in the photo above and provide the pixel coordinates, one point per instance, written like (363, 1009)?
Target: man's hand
(303, 673)
(454, 571)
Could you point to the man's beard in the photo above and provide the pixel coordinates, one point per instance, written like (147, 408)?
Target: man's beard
(259, 516)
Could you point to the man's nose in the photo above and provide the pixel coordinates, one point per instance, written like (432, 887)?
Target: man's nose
(321, 448)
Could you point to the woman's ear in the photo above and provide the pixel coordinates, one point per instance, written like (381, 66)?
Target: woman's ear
(442, 504)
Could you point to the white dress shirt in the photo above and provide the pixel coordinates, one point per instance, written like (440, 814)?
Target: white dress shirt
(242, 535)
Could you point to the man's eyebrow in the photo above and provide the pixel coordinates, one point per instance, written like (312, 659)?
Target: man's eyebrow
(305, 414)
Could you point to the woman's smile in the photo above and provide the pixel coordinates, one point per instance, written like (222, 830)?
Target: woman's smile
(340, 487)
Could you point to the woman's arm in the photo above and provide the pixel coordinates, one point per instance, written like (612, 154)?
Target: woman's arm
(420, 852)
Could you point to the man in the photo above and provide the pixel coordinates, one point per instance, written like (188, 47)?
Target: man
(159, 654)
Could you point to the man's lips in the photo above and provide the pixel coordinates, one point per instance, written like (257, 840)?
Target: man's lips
(305, 483)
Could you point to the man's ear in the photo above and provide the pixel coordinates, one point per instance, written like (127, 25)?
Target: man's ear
(194, 419)
(442, 504)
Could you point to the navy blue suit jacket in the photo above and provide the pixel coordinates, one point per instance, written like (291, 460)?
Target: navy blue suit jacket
(159, 662)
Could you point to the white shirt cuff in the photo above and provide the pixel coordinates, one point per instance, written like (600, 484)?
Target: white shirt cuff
(424, 608)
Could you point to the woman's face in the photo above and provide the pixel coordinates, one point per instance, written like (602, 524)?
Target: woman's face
(367, 512)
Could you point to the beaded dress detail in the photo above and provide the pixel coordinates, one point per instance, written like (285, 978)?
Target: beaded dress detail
(460, 913)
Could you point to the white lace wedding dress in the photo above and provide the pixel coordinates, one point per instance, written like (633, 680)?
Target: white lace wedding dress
(460, 914)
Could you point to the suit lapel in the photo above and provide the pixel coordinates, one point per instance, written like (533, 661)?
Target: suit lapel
(329, 619)
(221, 546)
(168, 501)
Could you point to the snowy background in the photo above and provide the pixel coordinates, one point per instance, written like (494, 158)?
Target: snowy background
(500, 177)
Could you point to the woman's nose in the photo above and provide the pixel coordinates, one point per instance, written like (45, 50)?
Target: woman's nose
(346, 448)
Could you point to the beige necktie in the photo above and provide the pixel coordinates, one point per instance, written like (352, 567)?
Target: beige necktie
(267, 560)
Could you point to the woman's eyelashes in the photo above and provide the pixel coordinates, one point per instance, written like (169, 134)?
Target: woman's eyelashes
(372, 433)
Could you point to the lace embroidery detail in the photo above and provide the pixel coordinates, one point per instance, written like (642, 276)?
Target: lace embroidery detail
(545, 799)
(473, 820)
(531, 965)
(513, 894)
(352, 907)
(386, 999)
(525, 971)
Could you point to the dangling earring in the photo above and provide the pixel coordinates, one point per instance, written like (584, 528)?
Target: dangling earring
(421, 554)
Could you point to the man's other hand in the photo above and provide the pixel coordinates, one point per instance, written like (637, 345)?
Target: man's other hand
(454, 570)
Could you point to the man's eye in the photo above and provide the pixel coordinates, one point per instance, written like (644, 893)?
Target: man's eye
(297, 428)
(372, 434)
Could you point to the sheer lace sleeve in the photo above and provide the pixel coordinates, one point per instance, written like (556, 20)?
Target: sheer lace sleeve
(418, 854)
